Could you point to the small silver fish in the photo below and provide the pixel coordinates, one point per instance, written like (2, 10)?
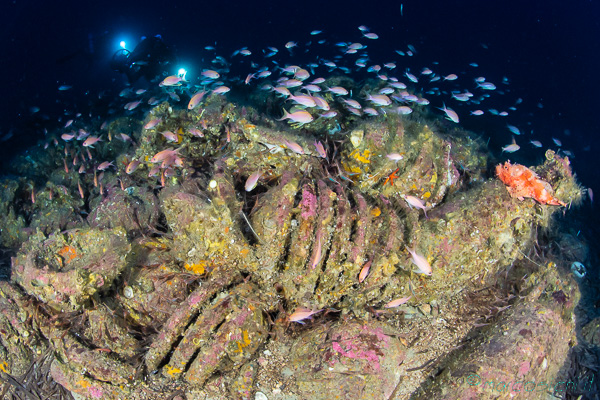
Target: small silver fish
(513, 129)
(536, 143)
(511, 148)
(451, 115)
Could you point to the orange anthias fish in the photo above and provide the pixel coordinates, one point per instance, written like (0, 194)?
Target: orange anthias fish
(522, 182)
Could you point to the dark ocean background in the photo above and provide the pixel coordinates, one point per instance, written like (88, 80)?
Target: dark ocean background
(548, 50)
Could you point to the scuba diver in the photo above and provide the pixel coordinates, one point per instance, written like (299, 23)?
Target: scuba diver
(148, 60)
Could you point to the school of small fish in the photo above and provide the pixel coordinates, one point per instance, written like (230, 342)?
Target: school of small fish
(461, 93)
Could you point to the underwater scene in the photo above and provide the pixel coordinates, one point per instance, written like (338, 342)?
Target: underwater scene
(318, 200)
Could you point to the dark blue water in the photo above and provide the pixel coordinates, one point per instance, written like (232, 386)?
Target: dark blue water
(548, 51)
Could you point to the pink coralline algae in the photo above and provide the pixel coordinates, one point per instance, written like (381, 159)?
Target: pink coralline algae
(96, 392)
(309, 204)
(355, 352)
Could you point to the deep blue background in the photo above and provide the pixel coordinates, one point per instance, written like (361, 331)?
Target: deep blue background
(548, 49)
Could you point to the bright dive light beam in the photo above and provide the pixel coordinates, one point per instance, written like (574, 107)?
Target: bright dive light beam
(182, 72)
(122, 44)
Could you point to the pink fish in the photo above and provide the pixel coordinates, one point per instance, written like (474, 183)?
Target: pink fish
(301, 74)
(209, 73)
(196, 132)
(316, 258)
(161, 155)
(301, 314)
(352, 103)
(221, 90)
(154, 171)
(404, 110)
(291, 83)
(169, 172)
(195, 100)
(370, 111)
(379, 99)
(293, 146)
(395, 157)
(411, 77)
(178, 162)
(67, 137)
(338, 90)
(69, 122)
(415, 202)
(302, 117)
(398, 85)
(320, 149)
(91, 141)
(282, 91)
(152, 123)
(132, 105)
(312, 88)
(303, 99)
(105, 165)
(355, 111)
(329, 114)
(321, 103)
(125, 137)
(252, 181)
(132, 166)
(170, 136)
(451, 115)
(397, 302)
(421, 263)
(173, 80)
(364, 271)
